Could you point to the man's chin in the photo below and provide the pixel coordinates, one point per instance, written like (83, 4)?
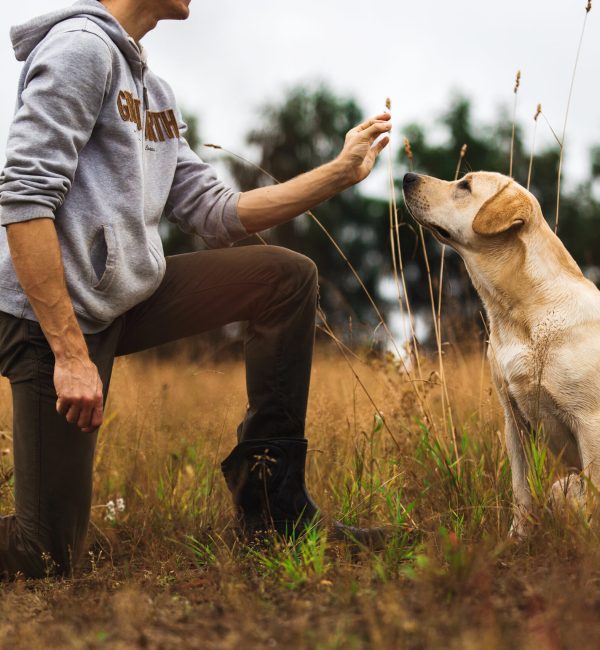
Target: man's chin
(181, 12)
(179, 15)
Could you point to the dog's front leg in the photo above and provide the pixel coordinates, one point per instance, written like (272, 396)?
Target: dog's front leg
(514, 432)
(522, 500)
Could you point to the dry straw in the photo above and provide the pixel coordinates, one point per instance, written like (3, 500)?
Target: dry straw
(446, 404)
(538, 112)
(436, 312)
(408, 152)
(588, 8)
(397, 262)
(514, 125)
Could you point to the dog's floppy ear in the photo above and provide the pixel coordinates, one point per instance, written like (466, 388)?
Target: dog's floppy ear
(509, 207)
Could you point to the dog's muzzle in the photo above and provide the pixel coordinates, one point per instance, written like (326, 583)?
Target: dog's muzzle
(410, 181)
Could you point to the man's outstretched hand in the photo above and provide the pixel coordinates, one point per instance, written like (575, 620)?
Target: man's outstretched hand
(359, 154)
(271, 205)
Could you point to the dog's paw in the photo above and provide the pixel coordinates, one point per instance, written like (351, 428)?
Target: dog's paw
(521, 525)
(568, 492)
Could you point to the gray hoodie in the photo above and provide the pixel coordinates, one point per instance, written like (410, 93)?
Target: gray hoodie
(97, 145)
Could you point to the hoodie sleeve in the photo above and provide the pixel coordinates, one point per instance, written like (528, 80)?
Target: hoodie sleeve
(200, 203)
(63, 92)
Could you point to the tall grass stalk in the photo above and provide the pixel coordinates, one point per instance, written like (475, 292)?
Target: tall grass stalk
(532, 154)
(397, 260)
(396, 241)
(481, 378)
(550, 127)
(445, 397)
(588, 8)
(514, 122)
(446, 405)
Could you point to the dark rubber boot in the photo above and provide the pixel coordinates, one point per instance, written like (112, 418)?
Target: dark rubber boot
(266, 479)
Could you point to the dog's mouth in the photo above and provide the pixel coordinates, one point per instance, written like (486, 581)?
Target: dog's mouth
(440, 232)
(417, 210)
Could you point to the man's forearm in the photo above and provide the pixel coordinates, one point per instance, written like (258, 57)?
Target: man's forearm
(37, 259)
(266, 207)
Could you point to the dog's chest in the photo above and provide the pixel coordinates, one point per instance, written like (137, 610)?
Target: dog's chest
(511, 359)
(524, 368)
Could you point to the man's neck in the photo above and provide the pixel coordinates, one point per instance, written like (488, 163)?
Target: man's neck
(134, 20)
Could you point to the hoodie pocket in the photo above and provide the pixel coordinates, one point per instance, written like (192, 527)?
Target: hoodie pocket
(103, 254)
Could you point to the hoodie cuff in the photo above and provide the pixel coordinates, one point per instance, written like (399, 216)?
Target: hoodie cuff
(18, 212)
(231, 220)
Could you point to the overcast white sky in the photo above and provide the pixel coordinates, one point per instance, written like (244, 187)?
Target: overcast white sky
(233, 55)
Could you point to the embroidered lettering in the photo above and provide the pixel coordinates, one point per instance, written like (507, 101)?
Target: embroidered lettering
(129, 108)
(170, 123)
(150, 134)
(138, 118)
(159, 125)
(156, 121)
(123, 107)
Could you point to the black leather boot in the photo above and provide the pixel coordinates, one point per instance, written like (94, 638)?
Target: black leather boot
(266, 479)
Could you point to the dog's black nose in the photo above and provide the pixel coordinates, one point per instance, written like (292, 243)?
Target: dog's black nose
(409, 180)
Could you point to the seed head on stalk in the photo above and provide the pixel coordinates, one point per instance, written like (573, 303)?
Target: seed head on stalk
(538, 112)
(517, 82)
(461, 157)
(589, 7)
(388, 104)
(408, 149)
(514, 123)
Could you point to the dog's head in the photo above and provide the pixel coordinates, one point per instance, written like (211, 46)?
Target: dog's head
(480, 209)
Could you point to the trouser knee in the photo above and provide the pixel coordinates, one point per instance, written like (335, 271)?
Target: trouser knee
(295, 272)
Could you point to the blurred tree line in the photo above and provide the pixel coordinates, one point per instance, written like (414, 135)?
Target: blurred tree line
(308, 128)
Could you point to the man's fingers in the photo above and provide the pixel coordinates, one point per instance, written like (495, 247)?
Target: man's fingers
(85, 415)
(96, 419)
(97, 415)
(62, 406)
(381, 145)
(375, 130)
(382, 116)
(73, 413)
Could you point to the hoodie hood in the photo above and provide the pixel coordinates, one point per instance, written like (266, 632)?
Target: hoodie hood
(26, 37)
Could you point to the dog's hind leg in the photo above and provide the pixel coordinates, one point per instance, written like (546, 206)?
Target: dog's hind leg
(588, 439)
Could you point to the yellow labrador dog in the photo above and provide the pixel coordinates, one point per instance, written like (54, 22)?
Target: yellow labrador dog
(544, 317)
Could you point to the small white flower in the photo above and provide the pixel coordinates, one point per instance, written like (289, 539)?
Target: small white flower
(111, 512)
(120, 504)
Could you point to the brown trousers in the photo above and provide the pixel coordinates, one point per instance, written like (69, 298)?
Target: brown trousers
(272, 288)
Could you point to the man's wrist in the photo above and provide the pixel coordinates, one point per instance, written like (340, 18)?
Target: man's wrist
(68, 346)
(343, 173)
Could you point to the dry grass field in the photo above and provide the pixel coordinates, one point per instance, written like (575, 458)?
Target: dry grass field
(165, 571)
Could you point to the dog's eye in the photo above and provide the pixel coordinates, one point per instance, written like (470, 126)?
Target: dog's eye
(464, 185)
